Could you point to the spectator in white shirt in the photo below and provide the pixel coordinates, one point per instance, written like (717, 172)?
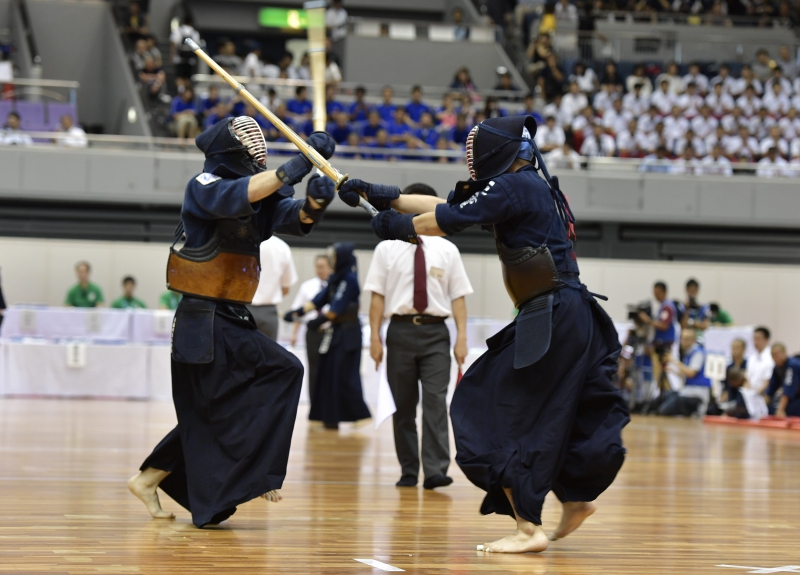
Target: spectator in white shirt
(750, 103)
(12, 135)
(627, 144)
(639, 77)
(598, 143)
(554, 109)
(676, 85)
(724, 78)
(252, 67)
(697, 78)
(650, 141)
(760, 363)
(663, 99)
(687, 163)
(778, 77)
(719, 101)
(690, 101)
(761, 123)
(718, 136)
(584, 76)
(794, 149)
(604, 99)
(584, 121)
(636, 102)
(181, 55)
(775, 140)
(277, 276)
(790, 124)
(74, 136)
(616, 119)
(549, 136)
(648, 120)
(309, 289)
(742, 145)
(418, 342)
(689, 140)
(564, 157)
(675, 125)
(704, 124)
(747, 78)
(772, 165)
(566, 11)
(776, 101)
(336, 21)
(716, 164)
(573, 102)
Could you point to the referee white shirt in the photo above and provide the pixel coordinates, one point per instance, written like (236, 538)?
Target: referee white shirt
(308, 291)
(277, 272)
(391, 274)
(759, 369)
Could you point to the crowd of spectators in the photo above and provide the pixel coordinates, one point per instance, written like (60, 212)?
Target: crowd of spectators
(663, 363)
(69, 135)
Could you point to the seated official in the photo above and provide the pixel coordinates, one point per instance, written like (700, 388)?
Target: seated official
(169, 300)
(696, 392)
(783, 393)
(127, 301)
(85, 293)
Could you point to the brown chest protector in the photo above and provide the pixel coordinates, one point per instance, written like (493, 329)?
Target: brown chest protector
(225, 269)
(527, 272)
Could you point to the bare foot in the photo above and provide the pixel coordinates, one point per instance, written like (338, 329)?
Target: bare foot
(572, 516)
(274, 495)
(521, 541)
(144, 487)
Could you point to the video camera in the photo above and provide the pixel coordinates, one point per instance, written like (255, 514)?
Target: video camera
(635, 309)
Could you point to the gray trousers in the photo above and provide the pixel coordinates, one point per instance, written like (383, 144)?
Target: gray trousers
(266, 317)
(420, 353)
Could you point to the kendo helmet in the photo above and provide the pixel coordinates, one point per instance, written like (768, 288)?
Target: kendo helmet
(494, 144)
(234, 147)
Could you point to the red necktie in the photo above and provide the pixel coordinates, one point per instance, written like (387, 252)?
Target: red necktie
(420, 279)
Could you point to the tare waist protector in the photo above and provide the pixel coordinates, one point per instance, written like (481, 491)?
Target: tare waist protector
(527, 272)
(225, 269)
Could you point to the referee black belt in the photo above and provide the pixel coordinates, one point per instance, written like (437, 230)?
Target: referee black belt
(420, 319)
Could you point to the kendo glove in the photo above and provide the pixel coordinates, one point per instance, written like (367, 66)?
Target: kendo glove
(316, 323)
(392, 225)
(321, 190)
(293, 171)
(293, 315)
(378, 195)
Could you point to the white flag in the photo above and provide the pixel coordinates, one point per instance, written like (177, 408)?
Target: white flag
(386, 406)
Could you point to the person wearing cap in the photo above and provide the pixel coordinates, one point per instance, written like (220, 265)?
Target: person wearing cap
(235, 391)
(417, 288)
(537, 412)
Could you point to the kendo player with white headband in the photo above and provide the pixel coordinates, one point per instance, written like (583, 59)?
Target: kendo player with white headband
(235, 391)
(538, 411)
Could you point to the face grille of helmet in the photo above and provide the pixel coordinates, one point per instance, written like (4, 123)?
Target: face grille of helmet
(470, 152)
(249, 134)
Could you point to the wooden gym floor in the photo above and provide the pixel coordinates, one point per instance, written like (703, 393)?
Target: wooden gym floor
(690, 499)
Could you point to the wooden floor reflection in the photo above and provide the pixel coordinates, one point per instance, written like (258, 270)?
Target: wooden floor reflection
(689, 499)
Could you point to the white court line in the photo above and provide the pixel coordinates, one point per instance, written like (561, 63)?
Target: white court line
(379, 565)
(784, 569)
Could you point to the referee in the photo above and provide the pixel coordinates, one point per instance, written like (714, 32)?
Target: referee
(277, 276)
(418, 287)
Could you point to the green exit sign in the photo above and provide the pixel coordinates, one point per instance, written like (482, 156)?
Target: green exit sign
(283, 18)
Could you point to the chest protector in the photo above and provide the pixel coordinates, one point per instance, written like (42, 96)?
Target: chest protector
(226, 268)
(527, 272)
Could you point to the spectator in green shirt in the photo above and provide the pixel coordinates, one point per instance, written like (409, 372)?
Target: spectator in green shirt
(169, 300)
(127, 301)
(719, 316)
(85, 293)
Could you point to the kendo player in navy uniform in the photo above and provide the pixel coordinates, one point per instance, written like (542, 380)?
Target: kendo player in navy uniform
(235, 390)
(538, 411)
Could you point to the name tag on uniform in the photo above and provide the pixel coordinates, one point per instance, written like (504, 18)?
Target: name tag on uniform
(437, 273)
(206, 178)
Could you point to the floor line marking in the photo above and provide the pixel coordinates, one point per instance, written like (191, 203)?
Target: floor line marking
(378, 565)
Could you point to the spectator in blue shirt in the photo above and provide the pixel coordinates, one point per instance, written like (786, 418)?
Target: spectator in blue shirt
(359, 110)
(183, 113)
(249, 110)
(529, 110)
(492, 109)
(696, 392)
(299, 108)
(217, 113)
(211, 101)
(332, 107)
(458, 135)
(426, 135)
(271, 133)
(341, 131)
(783, 393)
(416, 107)
(664, 322)
(386, 108)
(697, 315)
(398, 128)
(381, 142)
(369, 131)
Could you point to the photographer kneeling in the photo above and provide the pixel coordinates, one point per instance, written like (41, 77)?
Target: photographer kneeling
(696, 392)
